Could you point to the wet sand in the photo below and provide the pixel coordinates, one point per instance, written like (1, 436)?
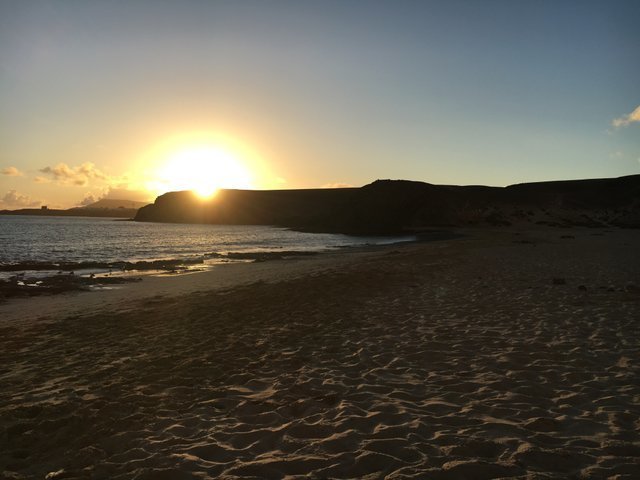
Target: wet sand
(503, 354)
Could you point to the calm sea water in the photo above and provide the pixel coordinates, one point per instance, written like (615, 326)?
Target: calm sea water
(25, 239)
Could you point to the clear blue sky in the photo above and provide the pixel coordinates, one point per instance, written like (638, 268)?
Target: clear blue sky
(325, 92)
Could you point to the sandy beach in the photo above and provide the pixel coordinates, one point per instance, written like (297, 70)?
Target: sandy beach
(507, 353)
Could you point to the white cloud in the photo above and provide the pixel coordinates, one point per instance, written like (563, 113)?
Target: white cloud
(14, 199)
(628, 119)
(80, 175)
(11, 172)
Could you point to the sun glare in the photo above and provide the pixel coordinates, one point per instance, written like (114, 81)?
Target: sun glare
(204, 170)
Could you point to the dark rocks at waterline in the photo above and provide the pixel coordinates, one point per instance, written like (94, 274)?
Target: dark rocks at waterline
(171, 265)
(261, 256)
(115, 266)
(19, 286)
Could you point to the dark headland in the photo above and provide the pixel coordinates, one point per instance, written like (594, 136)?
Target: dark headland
(394, 206)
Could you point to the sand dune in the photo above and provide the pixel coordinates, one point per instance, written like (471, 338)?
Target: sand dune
(446, 360)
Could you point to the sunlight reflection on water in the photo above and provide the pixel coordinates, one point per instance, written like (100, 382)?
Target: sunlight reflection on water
(80, 239)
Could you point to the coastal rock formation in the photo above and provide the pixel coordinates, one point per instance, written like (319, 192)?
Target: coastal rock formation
(391, 206)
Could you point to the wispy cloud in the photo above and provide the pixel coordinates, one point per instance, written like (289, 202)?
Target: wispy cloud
(80, 175)
(14, 199)
(115, 193)
(88, 200)
(124, 192)
(11, 172)
(628, 119)
(41, 180)
(337, 185)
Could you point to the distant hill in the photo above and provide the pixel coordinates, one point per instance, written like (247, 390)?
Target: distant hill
(113, 203)
(101, 208)
(392, 206)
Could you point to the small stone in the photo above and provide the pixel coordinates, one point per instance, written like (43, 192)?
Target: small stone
(559, 281)
(582, 288)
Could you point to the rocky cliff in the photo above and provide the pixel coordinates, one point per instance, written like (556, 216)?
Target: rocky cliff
(392, 206)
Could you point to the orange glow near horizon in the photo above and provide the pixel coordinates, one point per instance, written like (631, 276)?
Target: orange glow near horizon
(203, 167)
(204, 170)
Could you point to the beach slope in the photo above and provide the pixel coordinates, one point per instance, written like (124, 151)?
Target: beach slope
(503, 354)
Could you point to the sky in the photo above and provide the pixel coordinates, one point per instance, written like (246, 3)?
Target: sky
(127, 99)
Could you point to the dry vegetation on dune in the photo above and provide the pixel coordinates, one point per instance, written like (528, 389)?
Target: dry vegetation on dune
(459, 359)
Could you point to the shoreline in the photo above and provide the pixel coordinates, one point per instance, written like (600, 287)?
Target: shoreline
(215, 277)
(56, 269)
(100, 277)
(502, 354)
(138, 285)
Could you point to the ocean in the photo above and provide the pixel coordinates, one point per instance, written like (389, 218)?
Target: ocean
(38, 243)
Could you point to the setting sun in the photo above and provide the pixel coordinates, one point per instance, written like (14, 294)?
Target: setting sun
(204, 170)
